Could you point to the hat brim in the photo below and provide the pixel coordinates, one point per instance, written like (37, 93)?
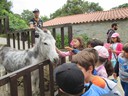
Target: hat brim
(35, 11)
(114, 36)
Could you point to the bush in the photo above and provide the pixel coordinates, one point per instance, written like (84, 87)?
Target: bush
(58, 40)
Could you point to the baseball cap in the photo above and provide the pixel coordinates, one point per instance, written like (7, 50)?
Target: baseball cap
(36, 10)
(102, 51)
(69, 78)
(115, 35)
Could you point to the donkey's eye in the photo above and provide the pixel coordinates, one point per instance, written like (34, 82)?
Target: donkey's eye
(45, 44)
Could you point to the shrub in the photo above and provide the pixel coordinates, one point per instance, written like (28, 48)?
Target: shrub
(58, 40)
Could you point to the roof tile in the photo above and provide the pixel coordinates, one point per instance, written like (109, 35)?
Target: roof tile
(121, 13)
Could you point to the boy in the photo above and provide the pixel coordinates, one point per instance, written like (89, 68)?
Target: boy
(123, 68)
(70, 80)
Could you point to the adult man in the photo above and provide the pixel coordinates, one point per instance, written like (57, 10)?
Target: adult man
(111, 31)
(36, 22)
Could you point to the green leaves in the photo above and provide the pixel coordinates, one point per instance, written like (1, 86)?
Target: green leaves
(15, 21)
(76, 7)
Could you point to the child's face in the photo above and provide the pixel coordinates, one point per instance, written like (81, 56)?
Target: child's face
(87, 73)
(76, 43)
(114, 39)
(89, 46)
(126, 54)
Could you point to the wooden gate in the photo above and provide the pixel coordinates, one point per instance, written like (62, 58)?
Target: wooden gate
(26, 74)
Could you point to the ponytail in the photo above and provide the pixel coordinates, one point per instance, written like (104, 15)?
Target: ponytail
(108, 65)
(109, 68)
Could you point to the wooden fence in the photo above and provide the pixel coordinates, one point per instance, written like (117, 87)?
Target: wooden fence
(4, 24)
(24, 39)
(26, 74)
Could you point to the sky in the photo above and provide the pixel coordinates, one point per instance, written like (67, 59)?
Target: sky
(48, 7)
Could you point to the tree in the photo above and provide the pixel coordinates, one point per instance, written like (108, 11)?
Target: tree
(121, 6)
(27, 15)
(91, 7)
(44, 18)
(15, 21)
(76, 7)
(5, 5)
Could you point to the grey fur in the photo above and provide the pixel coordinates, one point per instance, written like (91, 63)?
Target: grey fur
(13, 59)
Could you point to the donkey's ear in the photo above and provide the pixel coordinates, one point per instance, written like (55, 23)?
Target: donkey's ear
(38, 30)
(48, 32)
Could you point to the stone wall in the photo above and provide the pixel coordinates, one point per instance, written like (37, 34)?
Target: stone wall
(99, 29)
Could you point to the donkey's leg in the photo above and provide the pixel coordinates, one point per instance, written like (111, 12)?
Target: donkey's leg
(5, 88)
(35, 83)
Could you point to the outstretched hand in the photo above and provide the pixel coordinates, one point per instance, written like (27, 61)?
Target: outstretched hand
(68, 48)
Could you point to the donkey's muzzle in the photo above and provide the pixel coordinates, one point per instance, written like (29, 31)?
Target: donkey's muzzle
(56, 60)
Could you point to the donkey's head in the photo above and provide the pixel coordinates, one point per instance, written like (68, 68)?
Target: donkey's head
(46, 46)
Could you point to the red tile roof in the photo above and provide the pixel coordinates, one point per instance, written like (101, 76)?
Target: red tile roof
(121, 13)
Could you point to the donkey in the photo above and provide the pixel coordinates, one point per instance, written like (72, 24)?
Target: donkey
(45, 48)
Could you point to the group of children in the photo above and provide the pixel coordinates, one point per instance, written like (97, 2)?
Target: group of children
(91, 66)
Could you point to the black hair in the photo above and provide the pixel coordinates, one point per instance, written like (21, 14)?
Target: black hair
(114, 24)
(118, 40)
(95, 42)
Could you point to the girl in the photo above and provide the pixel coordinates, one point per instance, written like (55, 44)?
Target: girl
(103, 66)
(77, 43)
(115, 48)
(123, 68)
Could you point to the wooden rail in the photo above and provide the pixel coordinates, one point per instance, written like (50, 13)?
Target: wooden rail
(26, 74)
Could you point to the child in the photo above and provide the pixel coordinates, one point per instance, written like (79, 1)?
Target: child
(123, 68)
(76, 43)
(86, 62)
(115, 48)
(70, 80)
(103, 66)
(94, 42)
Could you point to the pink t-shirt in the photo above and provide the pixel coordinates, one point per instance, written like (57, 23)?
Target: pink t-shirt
(101, 71)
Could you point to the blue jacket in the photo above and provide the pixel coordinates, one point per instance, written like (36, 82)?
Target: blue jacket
(94, 91)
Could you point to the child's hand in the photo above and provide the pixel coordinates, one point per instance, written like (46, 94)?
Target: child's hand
(68, 48)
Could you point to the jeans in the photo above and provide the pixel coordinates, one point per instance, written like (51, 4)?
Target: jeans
(125, 87)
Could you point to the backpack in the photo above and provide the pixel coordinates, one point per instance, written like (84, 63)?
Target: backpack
(111, 87)
(109, 34)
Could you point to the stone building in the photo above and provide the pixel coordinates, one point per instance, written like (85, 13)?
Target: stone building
(95, 24)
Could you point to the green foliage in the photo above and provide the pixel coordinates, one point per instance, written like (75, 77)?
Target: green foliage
(27, 15)
(85, 37)
(76, 7)
(121, 6)
(58, 41)
(5, 5)
(91, 7)
(44, 18)
(15, 21)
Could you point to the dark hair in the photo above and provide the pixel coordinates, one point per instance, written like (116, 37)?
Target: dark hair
(125, 47)
(107, 64)
(118, 40)
(81, 40)
(84, 59)
(114, 24)
(95, 42)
